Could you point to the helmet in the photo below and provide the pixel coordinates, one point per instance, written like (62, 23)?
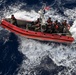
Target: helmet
(56, 21)
(12, 16)
(65, 20)
(49, 17)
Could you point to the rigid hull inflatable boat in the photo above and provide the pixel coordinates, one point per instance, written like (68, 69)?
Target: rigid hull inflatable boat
(24, 29)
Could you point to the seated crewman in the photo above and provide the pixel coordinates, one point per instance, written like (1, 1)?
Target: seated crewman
(49, 25)
(65, 26)
(37, 25)
(56, 27)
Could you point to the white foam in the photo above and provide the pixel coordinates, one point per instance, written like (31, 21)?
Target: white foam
(70, 13)
(34, 50)
(61, 55)
(73, 29)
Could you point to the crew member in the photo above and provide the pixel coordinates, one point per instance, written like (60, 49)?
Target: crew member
(49, 20)
(56, 27)
(49, 25)
(37, 25)
(65, 23)
(65, 26)
(13, 20)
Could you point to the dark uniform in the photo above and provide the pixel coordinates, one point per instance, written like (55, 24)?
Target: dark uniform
(65, 25)
(13, 20)
(65, 28)
(56, 27)
(37, 25)
(49, 25)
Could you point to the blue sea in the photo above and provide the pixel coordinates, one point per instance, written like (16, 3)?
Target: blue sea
(23, 56)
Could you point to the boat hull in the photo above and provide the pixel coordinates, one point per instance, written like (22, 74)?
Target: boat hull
(36, 35)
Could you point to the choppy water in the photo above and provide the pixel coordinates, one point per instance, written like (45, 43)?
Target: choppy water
(22, 56)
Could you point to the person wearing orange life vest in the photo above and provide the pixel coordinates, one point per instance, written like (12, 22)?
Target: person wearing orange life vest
(65, 29)
(56, 27)
(65, 26)
(37, 25)
(49, 20)
(49, 25)
(65, 23)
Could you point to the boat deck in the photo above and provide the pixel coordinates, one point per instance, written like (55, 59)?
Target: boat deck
(28, 25)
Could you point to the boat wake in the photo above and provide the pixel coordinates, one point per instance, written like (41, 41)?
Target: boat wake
(35, 51)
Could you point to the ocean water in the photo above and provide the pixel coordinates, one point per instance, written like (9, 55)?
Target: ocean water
(22, 56)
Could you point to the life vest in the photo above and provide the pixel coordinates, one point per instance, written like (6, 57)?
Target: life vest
(65, 24)
(56, 26)
(49, 26)
(68, 27)
(37, 25)
(49, 21)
